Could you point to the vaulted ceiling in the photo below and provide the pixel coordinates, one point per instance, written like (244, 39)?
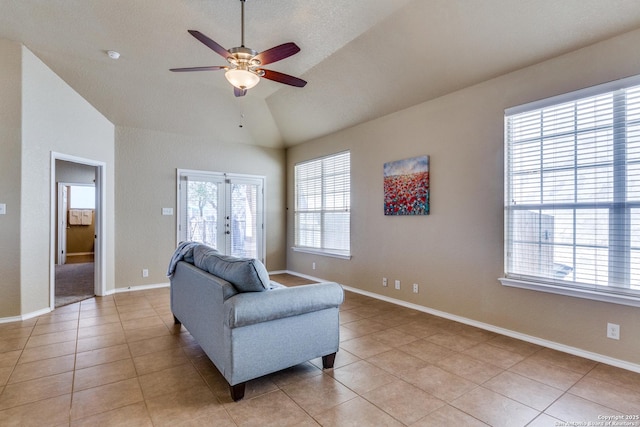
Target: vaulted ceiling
(362, 58)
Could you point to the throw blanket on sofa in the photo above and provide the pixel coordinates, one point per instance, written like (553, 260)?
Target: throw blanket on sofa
(184, 251)
(245, 274)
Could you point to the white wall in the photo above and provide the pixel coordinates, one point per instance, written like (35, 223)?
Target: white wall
(456, 253)
(54, 119)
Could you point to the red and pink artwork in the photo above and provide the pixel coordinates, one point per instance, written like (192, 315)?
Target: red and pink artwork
(406, 186)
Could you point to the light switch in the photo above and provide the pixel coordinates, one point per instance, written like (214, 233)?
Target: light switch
(167, 211)
(3, 209)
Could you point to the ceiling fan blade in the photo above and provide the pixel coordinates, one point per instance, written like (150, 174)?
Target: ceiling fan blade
(283, 78)
(239, 92)
(211, 68)
(277, 53)
(210, 43)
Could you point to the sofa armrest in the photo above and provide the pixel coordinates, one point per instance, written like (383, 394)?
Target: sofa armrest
(255, 307)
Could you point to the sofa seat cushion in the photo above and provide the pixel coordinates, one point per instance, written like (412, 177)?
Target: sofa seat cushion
(245, 274)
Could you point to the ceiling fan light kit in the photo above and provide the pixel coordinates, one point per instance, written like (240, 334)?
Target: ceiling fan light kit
(242, 79)
(243, 71)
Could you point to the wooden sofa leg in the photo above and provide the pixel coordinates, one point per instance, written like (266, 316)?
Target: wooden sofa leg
(237, 391)
(176, 321)
(327, 361)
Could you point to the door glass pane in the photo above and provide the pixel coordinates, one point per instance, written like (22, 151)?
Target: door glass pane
(202, 212)
(222, 211)
(244, 220)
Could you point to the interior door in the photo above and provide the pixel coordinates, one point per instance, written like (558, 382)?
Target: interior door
(62, 223)
(223, 211)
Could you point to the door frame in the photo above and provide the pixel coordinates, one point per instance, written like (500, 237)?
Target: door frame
(224, 176)
(100, 250)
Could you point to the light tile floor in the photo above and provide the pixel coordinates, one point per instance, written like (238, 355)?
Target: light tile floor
(120, 360)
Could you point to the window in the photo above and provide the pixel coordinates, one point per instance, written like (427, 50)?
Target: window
(82, 197)
(572, 193)
(323, 205)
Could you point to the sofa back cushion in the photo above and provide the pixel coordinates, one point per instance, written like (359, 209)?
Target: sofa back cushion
(245, 274)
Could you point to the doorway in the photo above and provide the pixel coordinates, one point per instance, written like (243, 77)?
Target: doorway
(75, 266)
(77, 228)
(224, 211)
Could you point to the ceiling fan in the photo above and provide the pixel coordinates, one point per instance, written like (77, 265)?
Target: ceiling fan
(244, 71)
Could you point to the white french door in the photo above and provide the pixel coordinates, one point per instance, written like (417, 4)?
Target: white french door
(225, 211)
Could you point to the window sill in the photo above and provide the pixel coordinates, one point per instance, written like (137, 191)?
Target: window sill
(322, 252)
(573, 292)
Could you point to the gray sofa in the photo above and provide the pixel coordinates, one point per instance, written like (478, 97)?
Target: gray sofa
(247, 325)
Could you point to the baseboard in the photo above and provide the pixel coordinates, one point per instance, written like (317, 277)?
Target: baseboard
(305, 276)
(25, 316)
(492, 328)
(138, 288)
(80, 253)
(111, 292)
(10, 319)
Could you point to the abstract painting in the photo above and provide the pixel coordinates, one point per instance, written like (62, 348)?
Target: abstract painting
(406, 186)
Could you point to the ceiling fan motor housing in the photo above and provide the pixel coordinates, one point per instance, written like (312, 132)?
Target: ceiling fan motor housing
(243, 58)
(244, 72)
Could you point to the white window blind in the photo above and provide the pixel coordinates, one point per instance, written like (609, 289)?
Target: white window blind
(323, 205)
(572, 191)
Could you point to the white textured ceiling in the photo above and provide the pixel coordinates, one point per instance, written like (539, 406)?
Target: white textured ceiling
(362, 58)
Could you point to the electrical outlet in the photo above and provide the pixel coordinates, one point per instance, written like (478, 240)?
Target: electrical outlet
(145, 272)
(313, 265)
(415, 288)
(384, 281)
(397, 284)
(613, 331)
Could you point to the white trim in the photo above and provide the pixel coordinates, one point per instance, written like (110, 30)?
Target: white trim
(100, 257)
(36, 313)
(304, 276)
(176, 208)
(492, 328)
(572, 292)
(25, 316)
(79, 253)
(320, 252)
(10, 319)
(47, 310)
(140, 288)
